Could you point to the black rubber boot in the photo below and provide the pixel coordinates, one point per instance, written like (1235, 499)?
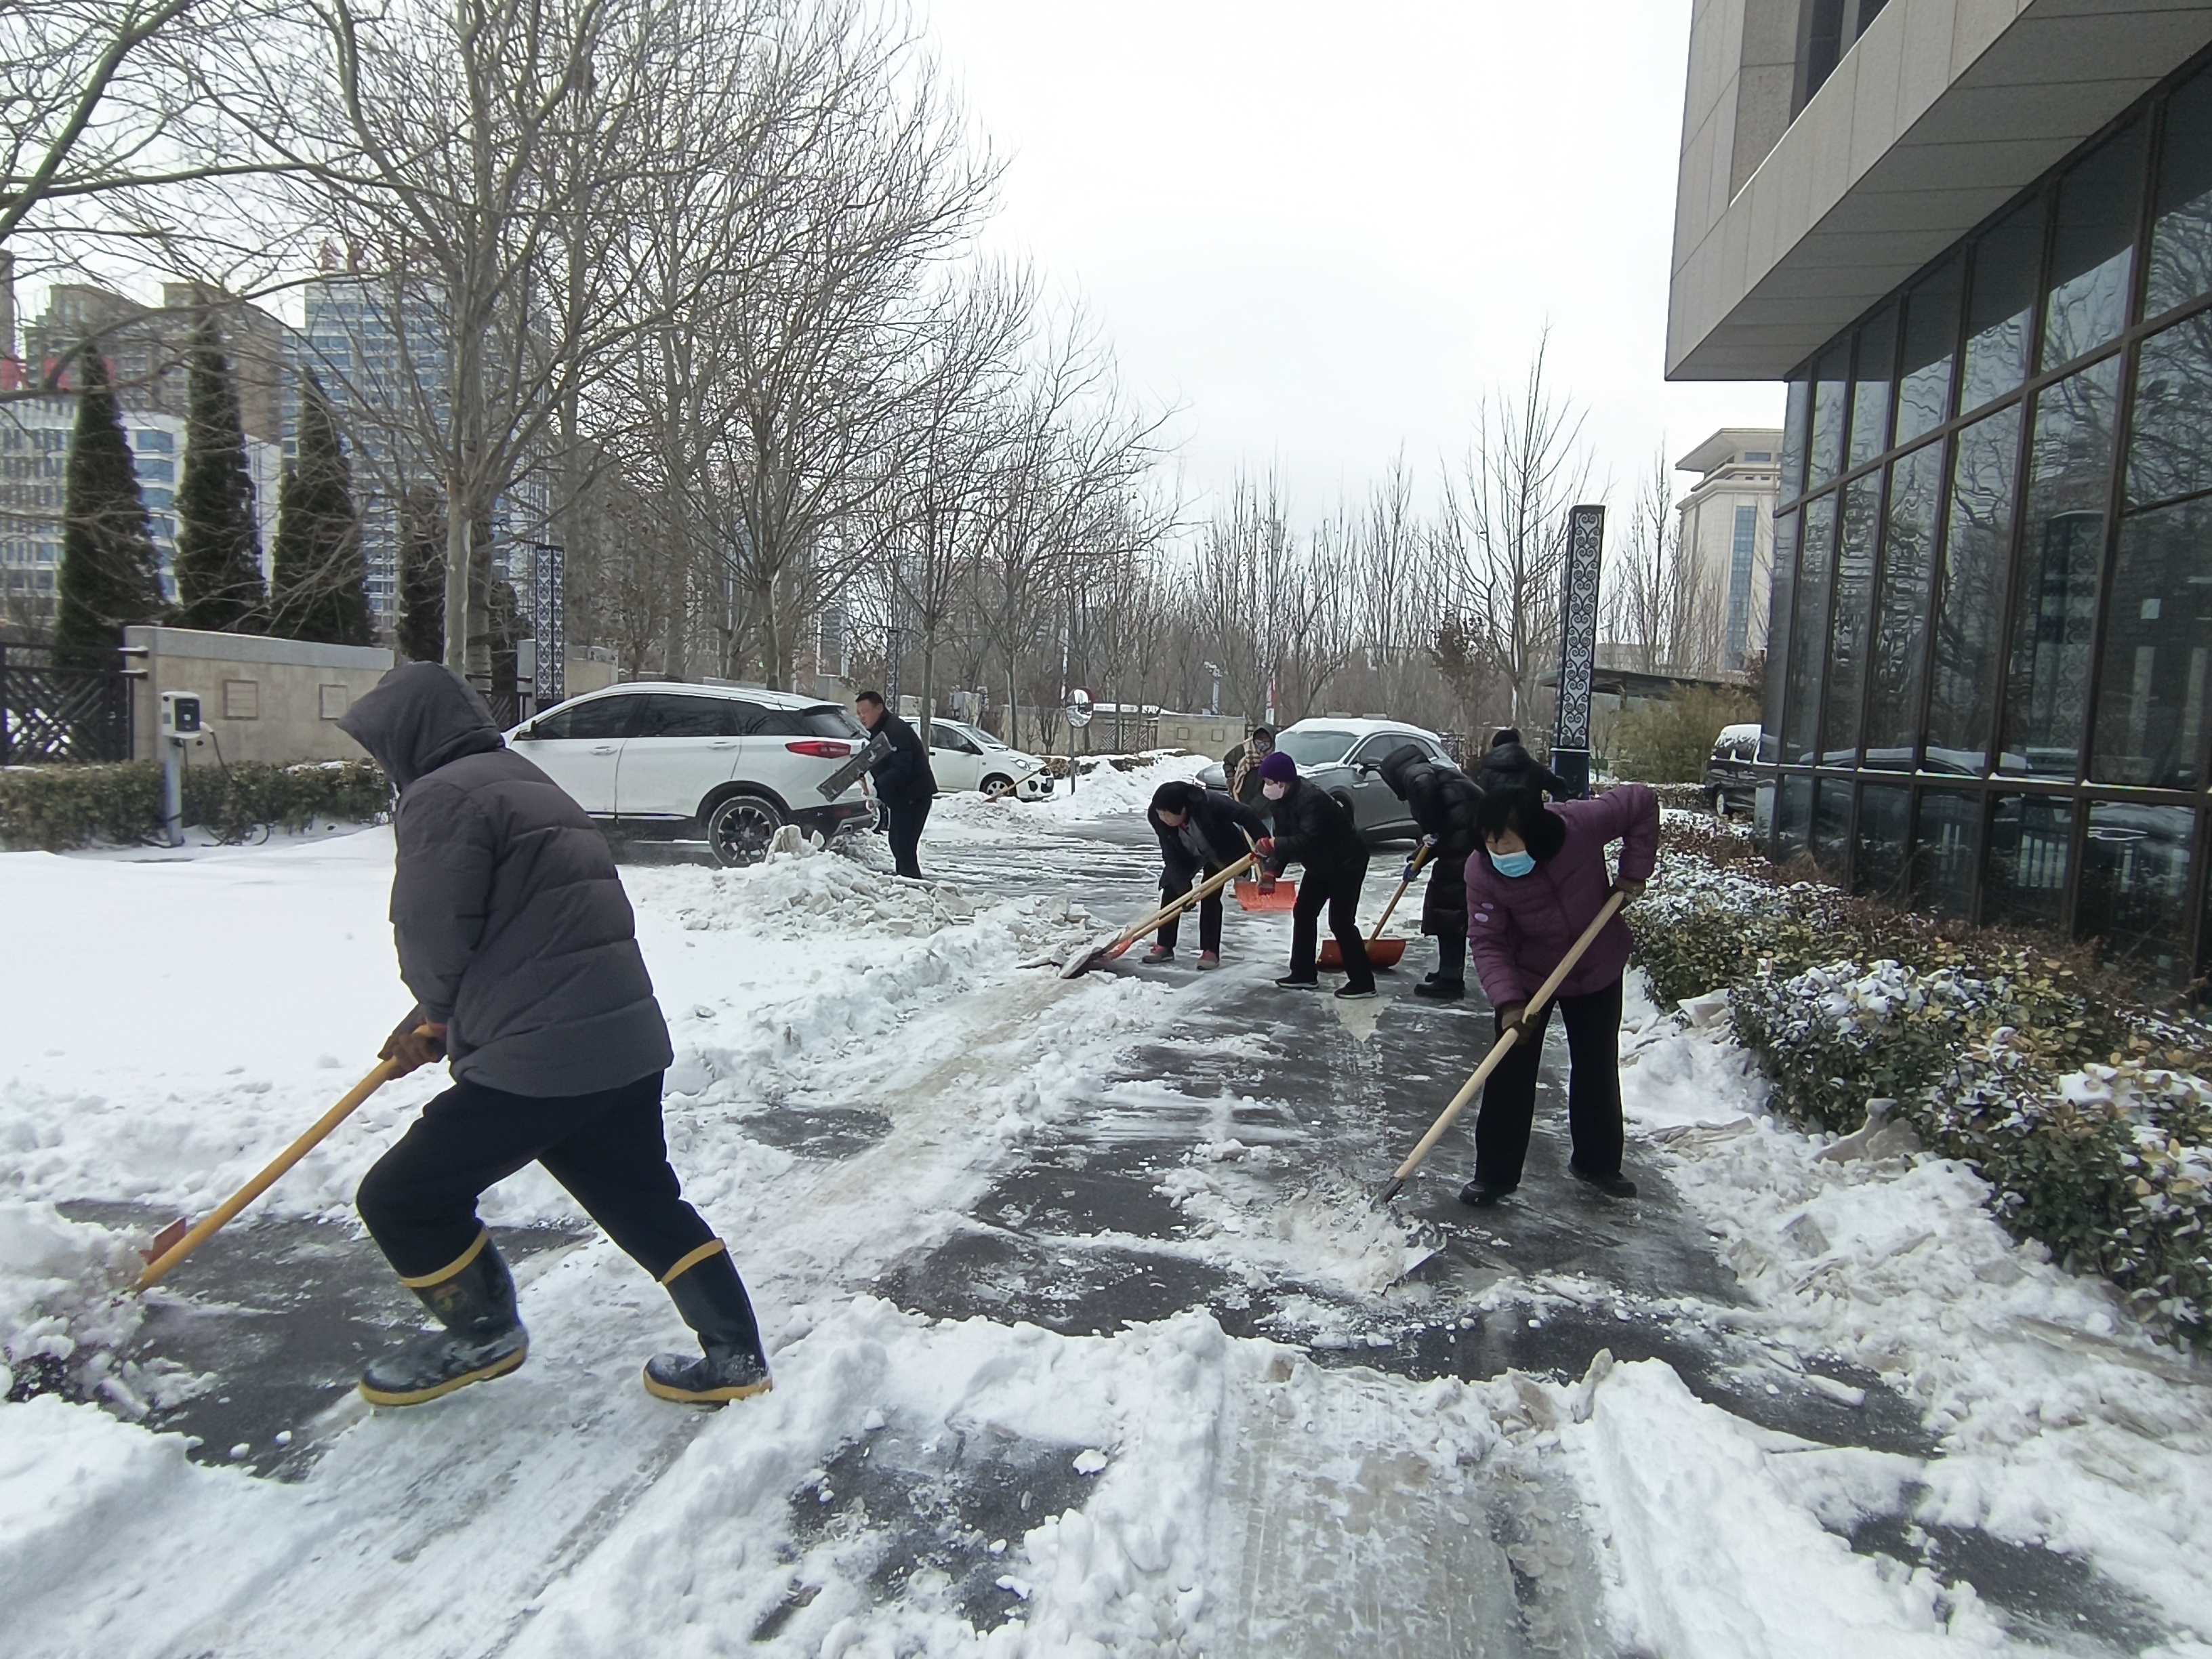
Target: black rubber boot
(1482, 1195)
(484, 1338)
(1440, 990)
(1615, 1185)
(712, 1298)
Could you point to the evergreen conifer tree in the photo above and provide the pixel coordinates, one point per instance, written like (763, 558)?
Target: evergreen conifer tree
(111, 574)
(321, 581)
(422, 632)
(218, 543)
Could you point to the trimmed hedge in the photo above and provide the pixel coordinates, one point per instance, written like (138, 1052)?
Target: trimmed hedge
(2086, 1111)
(60, 807)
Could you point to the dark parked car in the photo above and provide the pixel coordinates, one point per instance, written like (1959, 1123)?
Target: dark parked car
(1731, 778)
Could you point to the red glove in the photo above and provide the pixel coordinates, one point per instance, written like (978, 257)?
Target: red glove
(1267, 879)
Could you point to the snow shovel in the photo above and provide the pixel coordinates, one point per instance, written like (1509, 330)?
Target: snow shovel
(1113, 944)
(1251, 895)
(1472, 1086)
(1381, 952)
(172, 1244)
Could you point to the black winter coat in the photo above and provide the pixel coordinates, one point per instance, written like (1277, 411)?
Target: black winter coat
(513, 927)
(1218, 821)
(903, 776)
(1313, 829)
(1508, 766)
(1443, 800)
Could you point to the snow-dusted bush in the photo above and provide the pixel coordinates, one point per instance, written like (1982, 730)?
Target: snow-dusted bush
(58, 807)
(2086, 1115)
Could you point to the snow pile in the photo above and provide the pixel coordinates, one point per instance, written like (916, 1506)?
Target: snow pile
(65, 1309)
(2063, 1425)
(1328, 1236)
(1106, 790)
(1718, 1553)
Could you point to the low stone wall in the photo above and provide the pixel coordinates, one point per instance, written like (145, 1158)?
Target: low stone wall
(270, 700)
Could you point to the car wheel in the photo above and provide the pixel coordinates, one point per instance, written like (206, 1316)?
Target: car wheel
(997, 784)
(739, 830)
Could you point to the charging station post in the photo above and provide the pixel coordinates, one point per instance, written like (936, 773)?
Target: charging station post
(180, 724)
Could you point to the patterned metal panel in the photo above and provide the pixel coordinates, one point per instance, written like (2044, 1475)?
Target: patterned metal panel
(548, 622)
(1578, 629)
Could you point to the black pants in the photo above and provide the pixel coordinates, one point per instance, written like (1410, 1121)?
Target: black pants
(1209, 913)
(1451, 959)
(1337, 888)
(907, 818)
(1509, 1099)
(420, 1199)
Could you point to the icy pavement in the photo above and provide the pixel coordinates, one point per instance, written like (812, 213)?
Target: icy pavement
(1087, 1337)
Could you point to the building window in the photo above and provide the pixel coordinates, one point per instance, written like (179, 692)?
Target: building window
(1808, 631)
(2135, 883)
(1931, 339)
(1908, 572)
(1780, 605)
(1794, 421)
(1792, 815)
(1946, 851)
(2180, 265)
(1831, 825)
(2030, 838)
(1831, 399)
(1851, 622)
(1978, 539)
(1751, 455)
(2093, 250)
(1743, 552)
(2002, 304)
(154, 439)
(1876, 361)
(1878, 857)
(2062, 548)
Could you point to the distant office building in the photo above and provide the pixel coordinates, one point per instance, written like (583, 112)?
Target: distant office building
(149, 363)
(380, 355)
(1728, 540)
(1976, 243)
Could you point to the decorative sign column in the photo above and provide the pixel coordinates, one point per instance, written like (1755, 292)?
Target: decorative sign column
(548, 622)
(1570, 752)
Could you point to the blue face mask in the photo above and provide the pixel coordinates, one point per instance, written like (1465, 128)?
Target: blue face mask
(1515, 864)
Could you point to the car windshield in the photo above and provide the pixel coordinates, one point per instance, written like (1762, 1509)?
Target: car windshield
(1318, 748)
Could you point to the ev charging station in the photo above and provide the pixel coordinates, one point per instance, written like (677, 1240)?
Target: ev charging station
(180, 726)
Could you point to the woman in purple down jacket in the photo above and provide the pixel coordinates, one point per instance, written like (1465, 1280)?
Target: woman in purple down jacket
(1538, 879)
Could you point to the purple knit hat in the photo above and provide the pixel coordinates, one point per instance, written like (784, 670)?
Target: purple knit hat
(1276, 767)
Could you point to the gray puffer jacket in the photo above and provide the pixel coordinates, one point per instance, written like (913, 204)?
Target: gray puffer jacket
(513, 927)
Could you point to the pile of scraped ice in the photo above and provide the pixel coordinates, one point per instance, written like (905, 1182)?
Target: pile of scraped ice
(1103, 789)
(66, 1310)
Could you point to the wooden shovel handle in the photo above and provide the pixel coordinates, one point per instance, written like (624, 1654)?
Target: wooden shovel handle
(1536, 1006)
(1176, 906)
(1420, 859)
(158, 1269)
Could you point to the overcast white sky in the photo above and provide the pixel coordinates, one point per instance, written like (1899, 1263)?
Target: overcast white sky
(1326, 230)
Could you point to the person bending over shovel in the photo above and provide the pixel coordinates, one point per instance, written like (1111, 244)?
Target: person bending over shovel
(1313, 829)
(1537, 880)
(1443, 800)
(518, 941)
(1202, 832)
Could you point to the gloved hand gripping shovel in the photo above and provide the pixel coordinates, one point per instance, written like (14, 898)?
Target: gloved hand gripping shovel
(174, 1243)
(1106, 949)
(1381, 953)
(1472, 1086)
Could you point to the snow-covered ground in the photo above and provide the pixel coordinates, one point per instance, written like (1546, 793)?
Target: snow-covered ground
(1162, 1486)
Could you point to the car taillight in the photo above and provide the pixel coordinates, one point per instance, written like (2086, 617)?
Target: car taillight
(820, 749)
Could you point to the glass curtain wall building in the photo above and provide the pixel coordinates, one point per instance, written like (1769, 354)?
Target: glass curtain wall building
(1991, 651)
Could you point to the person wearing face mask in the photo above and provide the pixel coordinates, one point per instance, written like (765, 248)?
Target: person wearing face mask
(1538, 879)
(1313, 829)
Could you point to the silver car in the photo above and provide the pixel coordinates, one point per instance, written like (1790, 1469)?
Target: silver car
(1345, 757)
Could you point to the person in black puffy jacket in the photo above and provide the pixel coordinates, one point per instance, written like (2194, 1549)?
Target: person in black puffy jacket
(1202, 832)
(1313, 829)
(517, 942)
(1443, 800)
(903, 781)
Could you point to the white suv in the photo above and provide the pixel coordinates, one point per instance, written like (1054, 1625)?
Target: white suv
(964, 756)
(734, 766)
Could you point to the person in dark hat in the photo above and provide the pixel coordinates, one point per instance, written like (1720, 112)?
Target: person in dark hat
(1539, 879)
(1202, 832)
(1508, 766)
(1443, 800)
(1313, 829)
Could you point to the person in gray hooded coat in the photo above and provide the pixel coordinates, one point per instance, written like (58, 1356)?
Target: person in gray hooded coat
(518, 941)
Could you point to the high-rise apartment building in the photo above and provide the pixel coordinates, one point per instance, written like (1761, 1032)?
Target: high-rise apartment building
(1975, 239)
(1728, 543)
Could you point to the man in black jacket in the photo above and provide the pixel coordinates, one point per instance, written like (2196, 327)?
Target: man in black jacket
(1202, 832)
(1442, 800)
(518, 943)
(904, 783)
(1313, 829)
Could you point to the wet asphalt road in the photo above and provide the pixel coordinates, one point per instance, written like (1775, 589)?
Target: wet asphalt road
(1078, 1235)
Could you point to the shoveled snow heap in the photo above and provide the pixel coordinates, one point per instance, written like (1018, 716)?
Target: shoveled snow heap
(1110, 786)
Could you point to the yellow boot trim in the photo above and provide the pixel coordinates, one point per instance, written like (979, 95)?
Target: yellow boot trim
(483, 1237)
(707, 1396)
(417, 1396)
(692, 1259)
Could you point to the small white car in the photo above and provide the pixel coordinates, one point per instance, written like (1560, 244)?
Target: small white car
(964, 756)
(673, 761)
